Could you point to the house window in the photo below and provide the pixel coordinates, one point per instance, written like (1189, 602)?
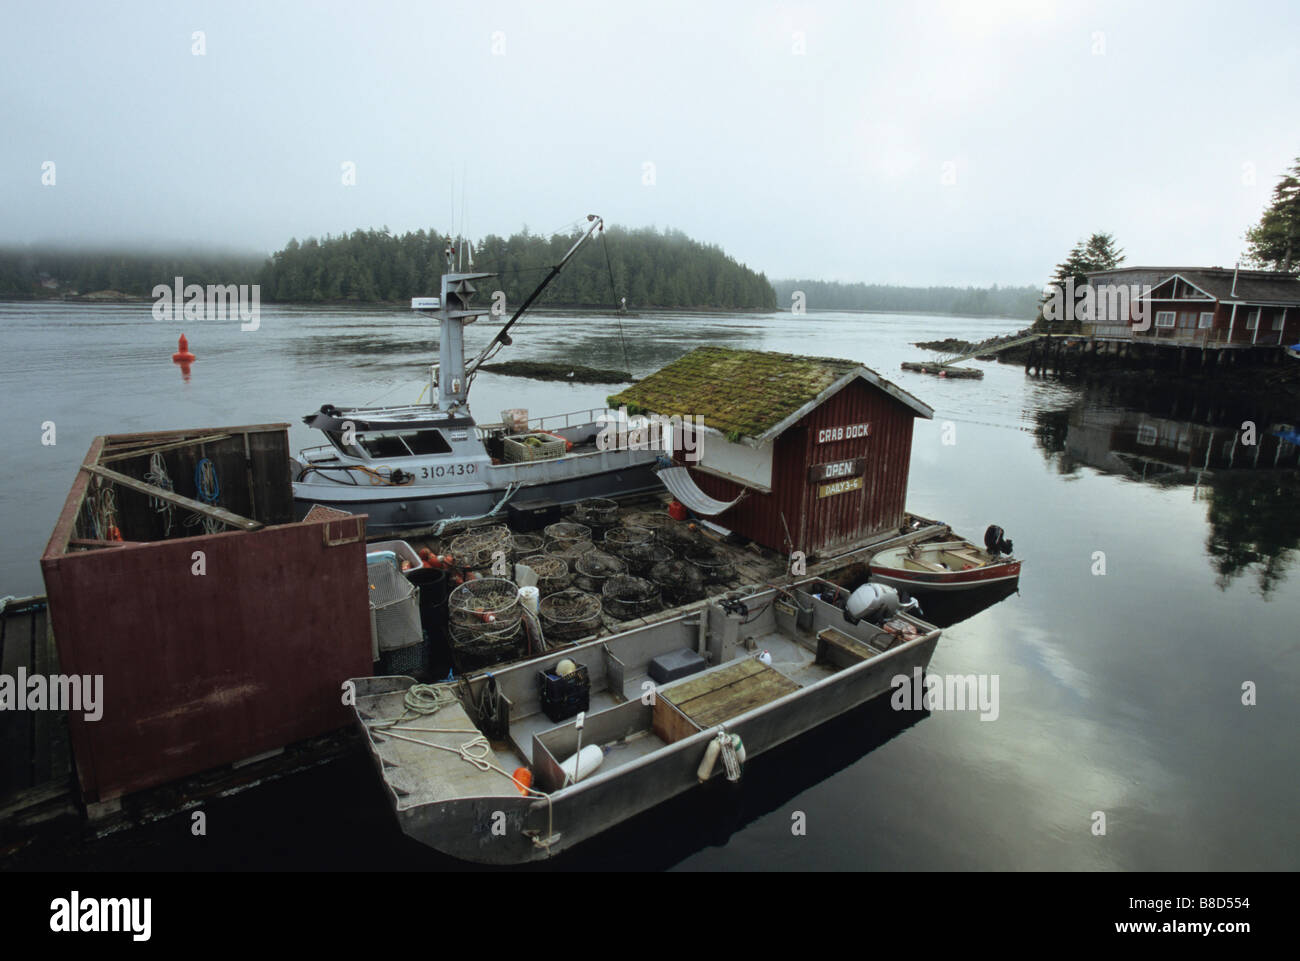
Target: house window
(1277, 321)
(1164, 318)
(1207, 319)
(1146, 435)
(1252, 319)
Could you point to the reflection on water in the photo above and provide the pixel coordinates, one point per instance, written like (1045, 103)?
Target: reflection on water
(946, 608)
(1242, 465)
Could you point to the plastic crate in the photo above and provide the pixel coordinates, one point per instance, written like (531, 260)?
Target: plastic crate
(563, 697)
(551, 447)
(399, 549)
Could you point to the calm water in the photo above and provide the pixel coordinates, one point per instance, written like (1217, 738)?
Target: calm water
(1118, 693)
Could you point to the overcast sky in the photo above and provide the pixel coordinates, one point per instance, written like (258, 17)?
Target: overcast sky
(919, 143)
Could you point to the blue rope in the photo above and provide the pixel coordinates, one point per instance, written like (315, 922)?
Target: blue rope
(206, 494)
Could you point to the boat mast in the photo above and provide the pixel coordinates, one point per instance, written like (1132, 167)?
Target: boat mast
(453, 311)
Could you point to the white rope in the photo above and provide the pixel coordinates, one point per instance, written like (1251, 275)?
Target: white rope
(427, 699)
(510, 490)
(157, 476)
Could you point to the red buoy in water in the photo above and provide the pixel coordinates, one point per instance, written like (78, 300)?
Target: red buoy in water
(183, 355)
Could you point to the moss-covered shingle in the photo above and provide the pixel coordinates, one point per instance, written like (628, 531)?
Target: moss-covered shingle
(737, 392)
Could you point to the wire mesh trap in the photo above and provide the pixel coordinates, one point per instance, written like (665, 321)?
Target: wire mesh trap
(679, 582)
(473, 550)
(716, 567)
(484, 605)
(625, 597)
(592, 568)
(597, 513)
(525, 544)
(569, 615)
(653, 521)
(641, 557)
(472, 650)
(618, 538)
(566, 532)
(552, 572)
(570, 550)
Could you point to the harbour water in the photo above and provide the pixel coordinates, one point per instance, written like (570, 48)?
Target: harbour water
(1119, 692)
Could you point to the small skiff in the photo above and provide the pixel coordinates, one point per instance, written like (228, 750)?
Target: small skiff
(942, 566)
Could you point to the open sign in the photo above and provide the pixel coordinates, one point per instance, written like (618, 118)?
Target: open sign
(836, 470)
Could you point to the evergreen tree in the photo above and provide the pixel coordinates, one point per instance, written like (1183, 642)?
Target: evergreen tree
(1274, 242)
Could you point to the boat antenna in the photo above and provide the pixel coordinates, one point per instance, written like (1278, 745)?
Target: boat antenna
(502, 337)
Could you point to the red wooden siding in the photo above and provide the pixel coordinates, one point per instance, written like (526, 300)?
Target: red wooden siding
(818, 524)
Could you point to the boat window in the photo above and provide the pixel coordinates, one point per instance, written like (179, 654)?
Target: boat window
(426, 442)
(352, 450)
(383, 445)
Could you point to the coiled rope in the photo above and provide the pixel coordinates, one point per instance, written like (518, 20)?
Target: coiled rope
(157, 476)
(207, 487)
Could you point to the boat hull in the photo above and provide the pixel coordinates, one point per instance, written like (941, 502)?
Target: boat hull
(393, 509)
(921, 581)
(463, 828)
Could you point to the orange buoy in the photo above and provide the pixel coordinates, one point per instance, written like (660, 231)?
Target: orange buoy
(183, 355)
(523, 779)
(677, 511)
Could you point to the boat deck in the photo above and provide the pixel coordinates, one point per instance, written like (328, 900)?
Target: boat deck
(792, 661)
(419, 773)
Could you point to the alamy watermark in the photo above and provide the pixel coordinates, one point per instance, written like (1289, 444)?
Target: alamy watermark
(73, 693)
(621, 431)
(1093, 303)
(76, 914)
(214, 302)
(946, 692)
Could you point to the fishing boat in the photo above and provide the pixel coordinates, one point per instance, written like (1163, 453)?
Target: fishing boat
(946, 565)
(525, 762)
(418, 465)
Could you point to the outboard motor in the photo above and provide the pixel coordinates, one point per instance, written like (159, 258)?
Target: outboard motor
(994, 542)
(876, 603)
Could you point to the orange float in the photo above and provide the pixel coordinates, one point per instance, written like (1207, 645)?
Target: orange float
(523, 779)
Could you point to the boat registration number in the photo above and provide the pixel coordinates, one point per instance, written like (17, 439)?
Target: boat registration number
(840, 487)
(447, 470)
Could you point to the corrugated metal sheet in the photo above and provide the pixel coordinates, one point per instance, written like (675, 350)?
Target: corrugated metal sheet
(679, 482)
(816, 525)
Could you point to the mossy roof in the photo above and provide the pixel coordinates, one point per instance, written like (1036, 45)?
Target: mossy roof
(745, 392)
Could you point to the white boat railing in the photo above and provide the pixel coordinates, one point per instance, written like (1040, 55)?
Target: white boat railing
(577, 418)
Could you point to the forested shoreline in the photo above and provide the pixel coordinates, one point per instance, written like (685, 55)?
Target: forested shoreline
(649, 268)
(995, 301)
(652, 269)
